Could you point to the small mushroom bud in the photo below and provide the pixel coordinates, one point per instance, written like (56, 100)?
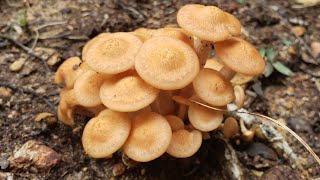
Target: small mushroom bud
(230, 128)
(247, 135)
(239, 96)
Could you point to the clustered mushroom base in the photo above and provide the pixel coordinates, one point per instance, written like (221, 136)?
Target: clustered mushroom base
(126, 82)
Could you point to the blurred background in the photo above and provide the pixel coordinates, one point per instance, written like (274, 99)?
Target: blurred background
(37, 36)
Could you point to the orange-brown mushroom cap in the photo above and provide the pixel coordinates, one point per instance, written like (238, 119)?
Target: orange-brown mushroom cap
(149, 138)
(240, 56)
(230, 128)
(106, 133)
(208, 22)
(204, 119)
(87, 88)
(213, 88)
(184, 143)
(113, 53)
(127, 93)
(240, 96)
(177, 33)
(167, 63)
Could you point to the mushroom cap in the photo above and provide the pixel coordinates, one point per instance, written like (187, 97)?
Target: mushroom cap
(65, 113)
(240, 56)
(184, 143)
(113, 53)
(167, 63)
(239, 96)
(204, 119)
(176, 33)
(213, 88)
(127, 92)
(208, 22)
(230, 128)
(89, 43)
(175, 122)
(106, 133)
(87, 88)
(68, 96)
(68, 72)
(149, 137)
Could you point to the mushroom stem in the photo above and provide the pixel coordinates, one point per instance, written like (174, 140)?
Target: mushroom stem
(202, 49)
(227, 73)
(247, 135)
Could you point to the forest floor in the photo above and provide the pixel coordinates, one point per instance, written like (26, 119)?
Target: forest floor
(57, 30)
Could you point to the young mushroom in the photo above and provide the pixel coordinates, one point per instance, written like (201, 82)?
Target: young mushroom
(239, 56)
(167, 63)
(247, 135)
(113, 53)
(106, 133)
(230, 128)
(213, 88)
(239, 96)
(127, 92)
(149, 138)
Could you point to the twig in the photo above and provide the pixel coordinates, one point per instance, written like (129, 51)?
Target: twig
(35, 39)
(53, 23)
(27, 91)
(25, 48)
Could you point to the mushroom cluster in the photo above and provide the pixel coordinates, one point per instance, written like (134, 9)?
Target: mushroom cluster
(129, 83)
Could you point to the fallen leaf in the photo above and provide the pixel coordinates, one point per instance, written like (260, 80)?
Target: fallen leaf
(308, 3)
(283, 69)
(268, 70)
(17, 65)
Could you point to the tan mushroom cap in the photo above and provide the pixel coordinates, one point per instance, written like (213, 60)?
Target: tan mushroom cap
(177, 33)
(113, 53)
(204, 119)
(167, 63)
(106, 133)
(230, 128)
(240, 56)
(87, 88)
(68, 72)
(127, 92)
(175, 122)
(149, 138)
(212, 88)
(89, 43)
(184, 143)
(208, 22)
(65, 113)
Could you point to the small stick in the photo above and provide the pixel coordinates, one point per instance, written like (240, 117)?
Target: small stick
(27, 91)
(25, 48)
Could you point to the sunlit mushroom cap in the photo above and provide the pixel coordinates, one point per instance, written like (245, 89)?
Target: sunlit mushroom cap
(127, 92)
(113, 53)
(204, 119)
(167, 63)
(68, 72)
(208, 22)
(213, 88)
(143, 33)
(175, 122)
(240, 56)
(184, 143)
(89, 43)
(149, 138)
(87, 88)
(106, 133)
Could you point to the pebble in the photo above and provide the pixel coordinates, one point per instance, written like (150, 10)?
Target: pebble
(34, 154)
(17, 65)
(54, 59)
(4, 92)
(315, 48)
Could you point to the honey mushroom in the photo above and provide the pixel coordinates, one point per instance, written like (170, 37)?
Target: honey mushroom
(127, 92)
(149, 138)
(230, 128)
(113, 53)
(106, 133)
(92, 41)
(166, 63)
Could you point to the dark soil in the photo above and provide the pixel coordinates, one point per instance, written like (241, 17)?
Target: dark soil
(294, 100)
